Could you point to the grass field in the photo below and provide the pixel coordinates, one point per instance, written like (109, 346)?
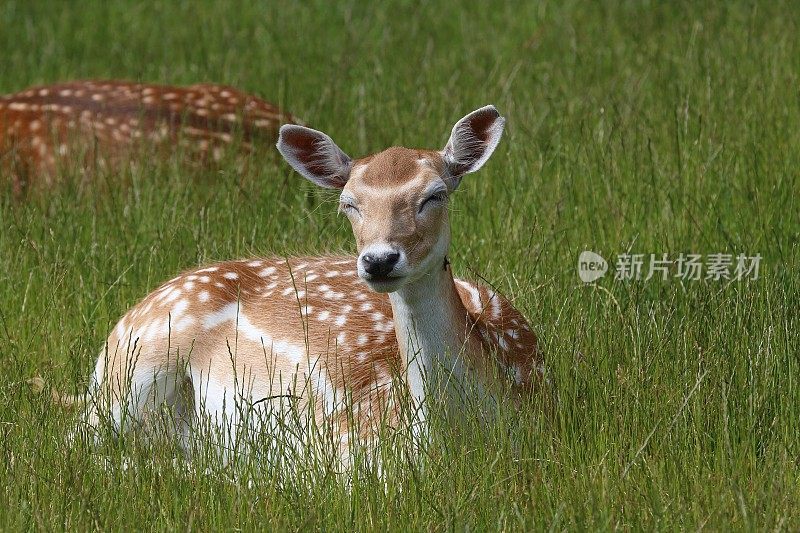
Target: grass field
(649, 127)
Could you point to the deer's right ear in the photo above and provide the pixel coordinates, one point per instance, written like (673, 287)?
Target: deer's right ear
(473, 140)
(314, 155)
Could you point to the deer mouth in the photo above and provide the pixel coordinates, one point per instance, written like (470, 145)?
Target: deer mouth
(383, 283)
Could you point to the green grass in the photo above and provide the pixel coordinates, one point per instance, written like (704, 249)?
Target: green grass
(649, 126)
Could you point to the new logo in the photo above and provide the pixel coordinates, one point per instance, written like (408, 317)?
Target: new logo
(591, 266)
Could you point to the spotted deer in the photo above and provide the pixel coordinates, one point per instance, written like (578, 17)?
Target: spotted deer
(347, 338)
(103, 122)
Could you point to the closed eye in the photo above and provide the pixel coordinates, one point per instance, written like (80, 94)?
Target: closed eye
(348, 208)
(438, 198)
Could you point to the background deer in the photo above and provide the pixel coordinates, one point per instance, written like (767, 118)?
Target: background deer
(103, 122)
(254, 339)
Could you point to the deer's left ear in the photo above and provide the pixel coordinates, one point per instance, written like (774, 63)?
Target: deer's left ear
(472, 141)
(314, 155)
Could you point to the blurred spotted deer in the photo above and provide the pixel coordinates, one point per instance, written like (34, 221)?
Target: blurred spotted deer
(349, 340)
(103, 123)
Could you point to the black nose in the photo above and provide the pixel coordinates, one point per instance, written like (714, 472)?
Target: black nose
(380, 264)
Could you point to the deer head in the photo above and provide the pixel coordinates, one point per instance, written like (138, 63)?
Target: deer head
(397, 199)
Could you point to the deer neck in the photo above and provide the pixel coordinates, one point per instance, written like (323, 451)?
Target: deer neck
(433, 333)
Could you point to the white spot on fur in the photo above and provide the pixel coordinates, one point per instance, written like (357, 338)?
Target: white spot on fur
(183, 323)
(203, 296)
(384, 326)
(266, 272)
(119, 331)
(179, 309)
(495, 301)
(234, 313)
(475, 296)
(324, 315)
(501, 340)
(171, 295)
(230, 275)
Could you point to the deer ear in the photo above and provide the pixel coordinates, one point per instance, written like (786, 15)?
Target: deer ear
(472, 141)
(314, 155)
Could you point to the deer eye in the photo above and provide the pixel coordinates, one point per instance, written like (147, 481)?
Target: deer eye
(438, 198)
(348, 208)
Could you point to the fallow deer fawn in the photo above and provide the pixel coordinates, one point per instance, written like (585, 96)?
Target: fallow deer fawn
(253, 338)
(101, 122)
